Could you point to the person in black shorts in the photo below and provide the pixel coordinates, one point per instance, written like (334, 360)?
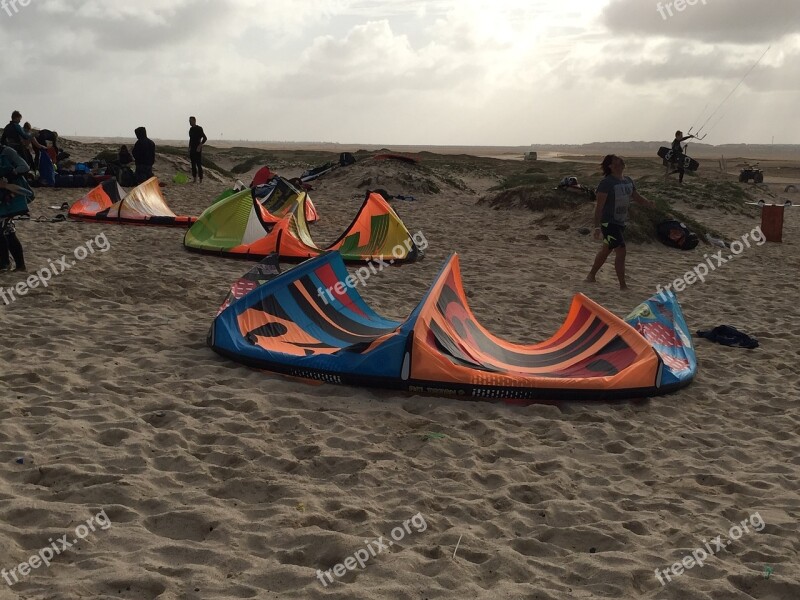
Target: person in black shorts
(197, 139)
(614, 196)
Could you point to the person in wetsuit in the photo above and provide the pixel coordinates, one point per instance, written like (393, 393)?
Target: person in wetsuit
(197, 139)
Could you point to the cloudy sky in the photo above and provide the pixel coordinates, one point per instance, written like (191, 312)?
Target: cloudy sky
(445, 72)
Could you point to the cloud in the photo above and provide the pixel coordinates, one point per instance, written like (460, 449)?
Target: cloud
(709, 21)
(432, 71)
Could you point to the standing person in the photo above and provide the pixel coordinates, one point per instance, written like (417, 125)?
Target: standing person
(13, 134)
(677, 156)
(614, 196)
(197, 139)
(43, 137)
(11, 167)
(31, 148)
(144, 153)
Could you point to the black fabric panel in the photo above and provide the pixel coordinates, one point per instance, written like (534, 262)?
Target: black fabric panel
(344, 335)
(336, 316)
(449, 347)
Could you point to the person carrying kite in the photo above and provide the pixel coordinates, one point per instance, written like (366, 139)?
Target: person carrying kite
(677, 156)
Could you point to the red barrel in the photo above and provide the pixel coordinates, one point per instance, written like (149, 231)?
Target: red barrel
(772, 223)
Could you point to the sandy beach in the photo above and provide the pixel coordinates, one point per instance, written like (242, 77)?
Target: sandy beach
(223, 482)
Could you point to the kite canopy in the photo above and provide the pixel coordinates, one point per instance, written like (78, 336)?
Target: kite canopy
(317, 172)
(262, 176)
(238, 187)
(143, 205)
(98, 199)
(268, 269)
(279, 197)
(238, 225)
(375, 233)
(308, 322)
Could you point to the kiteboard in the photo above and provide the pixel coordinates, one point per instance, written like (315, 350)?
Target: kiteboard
(689, 163)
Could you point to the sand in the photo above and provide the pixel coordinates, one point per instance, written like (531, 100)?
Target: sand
(224, 482)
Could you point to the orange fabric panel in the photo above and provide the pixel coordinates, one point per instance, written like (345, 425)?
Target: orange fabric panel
(284, 240)
(482, 358)
(145, 200)
(361, 240)
(289, 342)
(91, 204)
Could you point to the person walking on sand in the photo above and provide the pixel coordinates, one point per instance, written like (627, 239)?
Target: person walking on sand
(614, 196)
(197, 139)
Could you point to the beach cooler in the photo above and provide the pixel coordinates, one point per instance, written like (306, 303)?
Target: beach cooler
(772, 223)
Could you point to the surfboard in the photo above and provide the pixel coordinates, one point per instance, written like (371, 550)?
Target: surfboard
(689, 163)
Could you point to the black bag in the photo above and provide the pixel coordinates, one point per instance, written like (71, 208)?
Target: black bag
(126, 177)
(729, 336)
(346, 159)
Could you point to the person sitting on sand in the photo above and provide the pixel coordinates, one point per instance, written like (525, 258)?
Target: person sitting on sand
(144, 153)
(11, 166)
(125, 157)
(677, 156)
(614, 195)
